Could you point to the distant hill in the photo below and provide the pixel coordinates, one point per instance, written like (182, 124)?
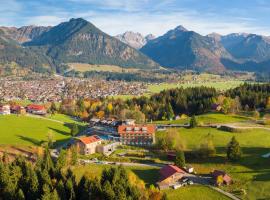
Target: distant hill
(135, 40)
(25, 33)
(183, 49)
(80, 41)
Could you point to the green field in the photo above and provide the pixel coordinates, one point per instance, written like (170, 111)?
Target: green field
(210, 118)
(24, 130)
(219, 85)
(83, 67)
(65, 119)
(196, 193)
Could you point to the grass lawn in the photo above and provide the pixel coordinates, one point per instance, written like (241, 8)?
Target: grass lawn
(66, 119)
(196, 193)
(23, 130)
(209, 118)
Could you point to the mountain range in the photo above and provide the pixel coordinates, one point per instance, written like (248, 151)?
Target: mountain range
(135, 40)
(183, 49)
(75, 41)
(42, 49)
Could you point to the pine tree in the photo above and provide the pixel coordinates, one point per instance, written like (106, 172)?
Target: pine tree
(180, 160)
(61, 161)
(53, 108)
(234, 152)
(47, 160)
(20, 195)
(70, 189)
(108, 191)
(61, 190)
(193, 122)
(74, 155)
(74, 130)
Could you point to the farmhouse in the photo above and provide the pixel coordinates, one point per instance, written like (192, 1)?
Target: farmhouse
(141, 135)
(221, 177)
(36, 109)
(16, 109)
(4, 110)
(88, 145)
(169, 175)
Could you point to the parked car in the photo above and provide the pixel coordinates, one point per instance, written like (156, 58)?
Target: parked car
(190, 182)
(176, 186)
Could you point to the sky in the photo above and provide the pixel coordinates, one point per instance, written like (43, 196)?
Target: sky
(144, 16)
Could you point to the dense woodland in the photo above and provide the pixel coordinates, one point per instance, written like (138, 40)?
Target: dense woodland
(46, 179)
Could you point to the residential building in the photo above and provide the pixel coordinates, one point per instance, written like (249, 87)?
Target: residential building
(169, 175)
(139, 135)
(221, 177)
(88, 145)
(17, 109)
(36, 109)
(107, 148)
(5, 110)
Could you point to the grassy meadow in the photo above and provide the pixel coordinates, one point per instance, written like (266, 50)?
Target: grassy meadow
(196, 193)
(83, 67)
(219, 85)
(210, 118)
(24, 130)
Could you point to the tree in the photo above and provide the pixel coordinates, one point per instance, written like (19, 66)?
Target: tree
(180, 159)
(51, 140)
(74, 155)
(234, 152)
(169, 114)
(193, 122)
(53, 108)
(74, 130)
(61, 161)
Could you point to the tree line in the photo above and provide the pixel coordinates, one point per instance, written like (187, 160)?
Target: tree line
(169, 104)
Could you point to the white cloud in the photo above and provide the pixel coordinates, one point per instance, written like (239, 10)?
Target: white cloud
(45, 20)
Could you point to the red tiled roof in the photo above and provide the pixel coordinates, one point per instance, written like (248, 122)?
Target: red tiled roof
(89, 140)
(217, 173)
(226, 177)
(35, 107)
(149, 128)
(169, 170)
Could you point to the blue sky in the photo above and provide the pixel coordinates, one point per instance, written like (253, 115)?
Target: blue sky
(144, 16)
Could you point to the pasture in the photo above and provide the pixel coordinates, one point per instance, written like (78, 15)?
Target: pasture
(25, 130)
(83, 67)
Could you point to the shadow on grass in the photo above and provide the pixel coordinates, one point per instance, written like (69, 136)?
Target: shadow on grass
(149, 176)
(31, 140)
(69, 126)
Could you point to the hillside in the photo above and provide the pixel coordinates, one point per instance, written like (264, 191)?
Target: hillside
(180, 48)
(12, 54)
(25, 33)
(80, 41)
